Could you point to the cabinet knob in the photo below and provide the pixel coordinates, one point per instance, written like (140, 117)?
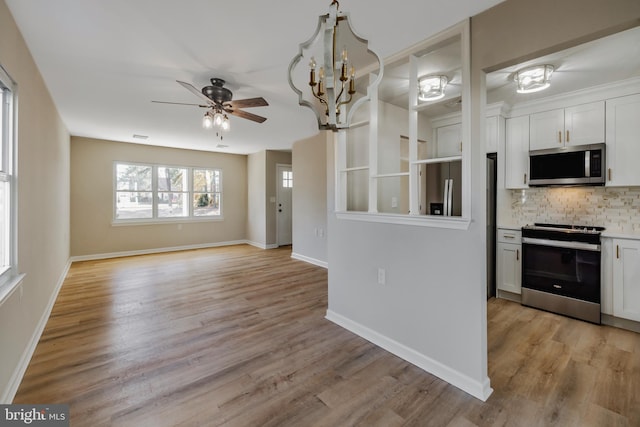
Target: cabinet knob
(517, 254)
(525, 179)
(618, 251)
(609, 173)
(559, 137)
(567, 138)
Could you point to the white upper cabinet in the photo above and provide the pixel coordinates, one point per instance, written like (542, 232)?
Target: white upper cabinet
(546, 129)
(449, 141)
(584, 124)
(517, 153)
(623, 141)
(495, 131)
(577, 125)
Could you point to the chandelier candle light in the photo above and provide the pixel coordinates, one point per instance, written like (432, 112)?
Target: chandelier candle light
(333, 83)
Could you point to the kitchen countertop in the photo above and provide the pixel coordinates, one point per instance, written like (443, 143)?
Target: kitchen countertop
(621, 234)
(610, 233)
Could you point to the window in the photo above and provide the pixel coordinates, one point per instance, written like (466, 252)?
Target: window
(7, 181)
(287, 179)
(156, 192)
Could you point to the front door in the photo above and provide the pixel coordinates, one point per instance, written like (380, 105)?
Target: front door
(283, 204)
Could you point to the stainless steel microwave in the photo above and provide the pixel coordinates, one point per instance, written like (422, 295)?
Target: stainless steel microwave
(575, 165)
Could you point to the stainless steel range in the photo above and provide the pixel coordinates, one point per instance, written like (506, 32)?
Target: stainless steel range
(561, 269)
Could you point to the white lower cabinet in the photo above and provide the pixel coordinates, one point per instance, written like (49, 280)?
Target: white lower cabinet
(626, 279)
(509, 261)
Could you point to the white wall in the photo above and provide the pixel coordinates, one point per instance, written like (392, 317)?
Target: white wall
(43, 209)
(310, 199)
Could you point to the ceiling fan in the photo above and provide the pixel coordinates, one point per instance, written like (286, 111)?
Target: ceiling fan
(219, 102)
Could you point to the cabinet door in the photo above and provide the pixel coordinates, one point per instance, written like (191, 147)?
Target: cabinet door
(547, 130)
(517, 153)
(584, 124)
(492, 134)
(509, 274)
(626, 279)
(449, 141)
(623, 141)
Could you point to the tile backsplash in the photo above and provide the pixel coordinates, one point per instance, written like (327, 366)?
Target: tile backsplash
(617, 209)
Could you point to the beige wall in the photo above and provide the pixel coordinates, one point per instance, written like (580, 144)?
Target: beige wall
(257, 215)
(43, 207)
(517, 30)
(273, 159)
(261, 227)
(309, 158)
(92, 232)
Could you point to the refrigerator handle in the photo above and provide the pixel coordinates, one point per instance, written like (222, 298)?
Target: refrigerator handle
(450, 198)
(445, 199)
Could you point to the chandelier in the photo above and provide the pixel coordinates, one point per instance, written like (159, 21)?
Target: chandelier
(331, 78)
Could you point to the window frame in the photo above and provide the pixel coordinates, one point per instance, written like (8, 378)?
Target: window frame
(10, 277)
(156, 192)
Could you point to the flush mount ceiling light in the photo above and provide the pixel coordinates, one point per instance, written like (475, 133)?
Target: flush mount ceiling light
(333, 83)
(533, 79)
(431, 88)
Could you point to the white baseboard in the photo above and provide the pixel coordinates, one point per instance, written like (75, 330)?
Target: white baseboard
(310, 260)
(480, 390)
(18, 373)
(261, 245)
(93, 257)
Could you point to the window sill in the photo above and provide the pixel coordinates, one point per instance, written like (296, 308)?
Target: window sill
(454, 223)
(8, 286)
(126, 223)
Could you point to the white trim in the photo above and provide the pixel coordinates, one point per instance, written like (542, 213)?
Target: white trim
(479, 390)
(8, 288)
(93, 257)
(582, 96)
(323, 264)
(451, 222)
(18, 373)
(172, 220)
(262, 245)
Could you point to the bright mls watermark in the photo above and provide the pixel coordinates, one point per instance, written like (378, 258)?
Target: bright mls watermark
(34, 415)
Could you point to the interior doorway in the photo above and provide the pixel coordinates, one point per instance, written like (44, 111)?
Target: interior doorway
(284, 180)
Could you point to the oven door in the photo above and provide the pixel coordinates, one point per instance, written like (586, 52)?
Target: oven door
(570, 269)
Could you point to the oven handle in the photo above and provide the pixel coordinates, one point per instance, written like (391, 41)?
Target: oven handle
(562, 244)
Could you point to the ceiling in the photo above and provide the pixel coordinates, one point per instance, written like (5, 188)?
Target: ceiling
(609, 59)
(104, 61)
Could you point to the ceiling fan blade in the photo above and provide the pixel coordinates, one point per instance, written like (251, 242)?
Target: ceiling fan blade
(182, 103)
(196, 92)
(247, 103)
(245, 115)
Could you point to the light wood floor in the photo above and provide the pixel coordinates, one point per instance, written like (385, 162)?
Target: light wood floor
(236, 336)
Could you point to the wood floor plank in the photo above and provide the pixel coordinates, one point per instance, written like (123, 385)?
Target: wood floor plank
(236, 336)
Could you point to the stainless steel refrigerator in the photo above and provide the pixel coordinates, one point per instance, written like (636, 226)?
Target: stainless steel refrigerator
(443, 189)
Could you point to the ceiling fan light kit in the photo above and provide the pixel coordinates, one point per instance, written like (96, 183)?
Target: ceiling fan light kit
(533, 79)
(332, 85)
(218, 100)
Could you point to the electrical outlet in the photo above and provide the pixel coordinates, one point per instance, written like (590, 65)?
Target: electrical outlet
(382, 279)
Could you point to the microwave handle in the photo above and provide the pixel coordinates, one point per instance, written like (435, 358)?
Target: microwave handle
(587, 163)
